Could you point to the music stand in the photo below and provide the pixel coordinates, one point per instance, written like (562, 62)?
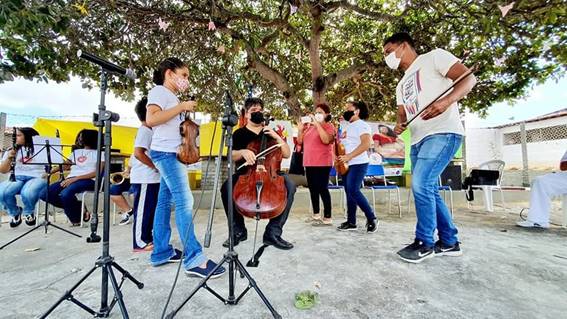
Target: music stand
(45, 156)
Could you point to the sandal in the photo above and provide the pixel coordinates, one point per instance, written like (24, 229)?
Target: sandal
(312, 219)
(320, 222)
(86, 216)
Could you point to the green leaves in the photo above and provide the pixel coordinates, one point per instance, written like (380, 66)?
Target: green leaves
(39, 40)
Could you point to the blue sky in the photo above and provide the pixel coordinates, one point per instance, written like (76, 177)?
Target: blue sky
(24, 100)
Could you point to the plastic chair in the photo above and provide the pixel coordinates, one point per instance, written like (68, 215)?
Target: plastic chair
(496, 165)
(378, 171)
(84, 194)
(442, 188)
(336, 186)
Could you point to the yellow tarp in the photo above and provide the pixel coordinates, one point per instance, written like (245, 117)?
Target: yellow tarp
(122, 136)
(206, 132)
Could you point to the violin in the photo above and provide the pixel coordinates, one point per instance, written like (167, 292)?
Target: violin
(340, 167)
(260, 192)
(13, 163)
(188, 152)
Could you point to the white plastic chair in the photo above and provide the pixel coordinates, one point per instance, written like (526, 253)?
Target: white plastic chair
(83, 196)
(495, 165)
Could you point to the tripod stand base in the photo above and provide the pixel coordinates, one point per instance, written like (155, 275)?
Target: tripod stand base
(45, 223)
(106, 264)
(234, 264)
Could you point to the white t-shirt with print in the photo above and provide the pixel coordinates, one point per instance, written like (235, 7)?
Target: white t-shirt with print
(351, 140)
(85, 162)
(140, 173)
(22, 169)
(166, 137)
(423, 81)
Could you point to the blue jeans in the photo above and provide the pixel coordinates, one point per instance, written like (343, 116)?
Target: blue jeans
(174, 187)
(352, 182)
(29, 189)
(65, 197)
(429, 158)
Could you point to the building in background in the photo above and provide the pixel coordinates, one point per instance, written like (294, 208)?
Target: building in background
(546, 142)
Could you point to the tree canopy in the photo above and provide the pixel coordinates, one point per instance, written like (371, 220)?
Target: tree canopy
(295, 52)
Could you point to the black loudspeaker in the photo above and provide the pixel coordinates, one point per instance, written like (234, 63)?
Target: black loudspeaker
(452, 177)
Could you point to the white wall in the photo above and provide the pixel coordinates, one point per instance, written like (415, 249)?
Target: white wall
(541, 155)
(482, 145)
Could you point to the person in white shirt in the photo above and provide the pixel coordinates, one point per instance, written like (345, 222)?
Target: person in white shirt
(81, 178)
(145, 179)
(544, 188)
(356, 140)
(165, 113)
(29, 182)
(436, 135)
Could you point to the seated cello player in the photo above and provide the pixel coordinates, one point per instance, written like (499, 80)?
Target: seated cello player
(253, 116)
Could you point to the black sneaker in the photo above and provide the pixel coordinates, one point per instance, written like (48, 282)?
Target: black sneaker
(30, 220)
(177, 257)
(446, 250)
(347, 226)
(126, 218)
(16, 221)
(372, 226)
(416, 252)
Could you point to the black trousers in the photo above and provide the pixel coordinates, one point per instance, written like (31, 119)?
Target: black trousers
(275, 225)
(318, 183)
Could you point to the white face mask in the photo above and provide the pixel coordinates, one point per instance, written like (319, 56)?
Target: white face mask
(392, 61)
(319, 117)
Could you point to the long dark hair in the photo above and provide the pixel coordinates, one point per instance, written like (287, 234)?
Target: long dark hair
(29, 133)
(167, 64)
(390, 132)
(87, 138)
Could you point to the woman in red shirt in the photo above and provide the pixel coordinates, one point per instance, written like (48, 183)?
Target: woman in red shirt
(317, 138)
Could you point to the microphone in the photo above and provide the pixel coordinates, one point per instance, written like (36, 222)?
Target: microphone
(106, 65)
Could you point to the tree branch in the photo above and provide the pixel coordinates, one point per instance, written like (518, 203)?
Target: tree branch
(345, 4)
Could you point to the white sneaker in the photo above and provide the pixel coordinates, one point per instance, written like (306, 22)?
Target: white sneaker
(530, 224)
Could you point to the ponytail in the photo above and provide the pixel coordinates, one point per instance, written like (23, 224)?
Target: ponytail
(167, 64)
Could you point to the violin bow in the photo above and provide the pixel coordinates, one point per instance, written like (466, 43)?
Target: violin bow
(263, 153)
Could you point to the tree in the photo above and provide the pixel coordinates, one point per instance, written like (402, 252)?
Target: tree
(295, 52)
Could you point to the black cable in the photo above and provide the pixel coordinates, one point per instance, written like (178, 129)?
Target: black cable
(170, 295)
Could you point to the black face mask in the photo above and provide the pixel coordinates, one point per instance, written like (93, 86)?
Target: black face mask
(257, 117)
(347, 115)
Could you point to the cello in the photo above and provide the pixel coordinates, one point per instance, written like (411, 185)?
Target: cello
(260, 192)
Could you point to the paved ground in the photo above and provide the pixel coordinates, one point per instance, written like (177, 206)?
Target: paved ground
(505, 272)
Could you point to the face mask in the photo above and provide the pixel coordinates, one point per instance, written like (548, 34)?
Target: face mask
(319, 117)
(392, 61)
(181, 83)
(347, 115)
(257, 117)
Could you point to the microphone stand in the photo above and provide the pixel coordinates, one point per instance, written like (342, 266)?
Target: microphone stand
(229, 120)
(106, 262)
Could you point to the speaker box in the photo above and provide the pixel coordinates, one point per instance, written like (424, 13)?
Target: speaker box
(452, 177)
